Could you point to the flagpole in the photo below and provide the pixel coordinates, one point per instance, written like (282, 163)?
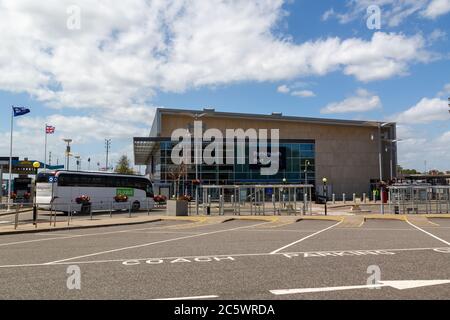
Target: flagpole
(10, 159)
(45, 148)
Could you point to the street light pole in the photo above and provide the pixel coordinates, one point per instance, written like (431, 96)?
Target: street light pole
(68, 141)
(107, 146)
(325, 192)
(381, 164)
(307, 163)
(78, 162)
(196, 150)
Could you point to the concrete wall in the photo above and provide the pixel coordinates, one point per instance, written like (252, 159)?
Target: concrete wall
(345, 154)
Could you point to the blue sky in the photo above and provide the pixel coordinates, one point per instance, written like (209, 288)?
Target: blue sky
(98, 71)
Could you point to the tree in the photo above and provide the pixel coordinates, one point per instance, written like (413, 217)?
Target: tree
(176, 172)
(123, 166)
(404, 171)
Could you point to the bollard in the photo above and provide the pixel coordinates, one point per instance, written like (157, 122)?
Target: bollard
(333, 198)
(274, 205)
(68, 214)
(129, 211)
(221, 205)
(148, 207)
(354, 198)
(16, 220)
(90, 211)
(35, 214)
(232, 204)
(343, 198)
(305, 203)
(364, 198)
(110, 209)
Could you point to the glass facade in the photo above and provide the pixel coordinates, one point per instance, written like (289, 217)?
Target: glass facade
(297, 163)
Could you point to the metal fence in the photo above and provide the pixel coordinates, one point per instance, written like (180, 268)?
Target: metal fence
(22, 213)
(406, 199)
(254, 199)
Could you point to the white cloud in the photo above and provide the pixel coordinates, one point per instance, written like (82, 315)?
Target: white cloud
(303, 93)
(419, 147)
(125, 53)
(363, 101)
(283, 89)
(437, 35)
(393, 12)
(425, 111)
(87, 131)
(445, 92)
(328, 14)
(437, 8)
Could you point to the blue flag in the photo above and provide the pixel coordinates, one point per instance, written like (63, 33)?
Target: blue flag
(20, 111)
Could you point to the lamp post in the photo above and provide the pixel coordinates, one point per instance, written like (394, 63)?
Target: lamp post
(307, 163)
(107, 146)
(391, 155)
(78, 162)
(325, 192)
(36, 165)
(68, 141)
(380, 162)
(196, 116)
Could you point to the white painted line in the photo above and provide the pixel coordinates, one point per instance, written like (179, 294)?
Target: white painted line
(190, 298)
(155, 242)
(399, 285)
(428, 233)
(443, 250)
(1, 222)
(81, 235)
(324, 289)
(162, 231)
(307, 237)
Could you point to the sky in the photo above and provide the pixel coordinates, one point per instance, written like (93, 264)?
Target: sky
(99, 70)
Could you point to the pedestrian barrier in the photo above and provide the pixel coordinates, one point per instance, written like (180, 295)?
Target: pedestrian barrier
(255, 199)
(29, 213)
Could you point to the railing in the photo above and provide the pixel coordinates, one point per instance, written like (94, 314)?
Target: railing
(24, 213)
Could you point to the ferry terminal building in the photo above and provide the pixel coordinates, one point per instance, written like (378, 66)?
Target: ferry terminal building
(346, 152)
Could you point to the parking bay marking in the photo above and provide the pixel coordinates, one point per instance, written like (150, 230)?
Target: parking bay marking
(290, 255)
(307, 237)
(155, 242)
(428, 233)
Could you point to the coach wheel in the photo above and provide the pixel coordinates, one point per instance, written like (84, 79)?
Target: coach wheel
(85, 208)
(135, 206)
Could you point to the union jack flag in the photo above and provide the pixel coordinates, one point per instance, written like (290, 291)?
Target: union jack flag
(49, 129)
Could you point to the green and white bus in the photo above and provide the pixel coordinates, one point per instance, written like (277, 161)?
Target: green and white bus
(97, 191)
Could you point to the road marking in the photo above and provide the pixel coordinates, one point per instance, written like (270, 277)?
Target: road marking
(164, 231)
(399, 285)
(84, 235)
(285, 254)
(1, 222)
(428, 233)
(346, 253)
(155, 242)
(190, 298)
(307, 237)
